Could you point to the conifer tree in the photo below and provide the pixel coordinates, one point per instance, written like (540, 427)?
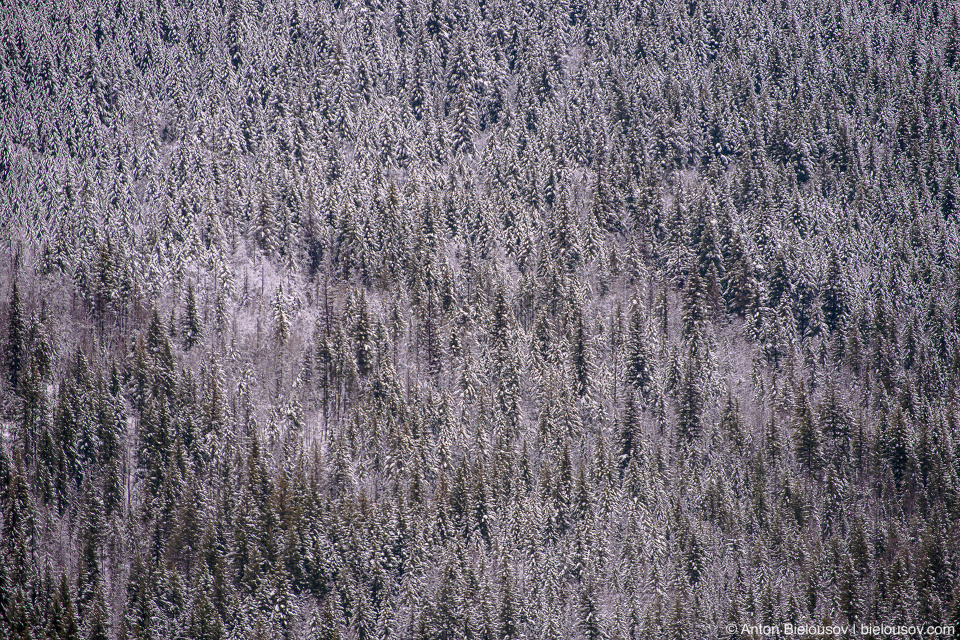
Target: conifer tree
(67, 627)
(896, 446)
(14, 348)
(98, 618)
(639, 358)
(807, 433)
(835, 295)
(263, 228)
(15, 615)
(281, 320)
(192, 329)
(690, 400)
(19, 520)
(694, 305)
(361, 333)
(709, 257)
(464, 125)
(739, 283)
(629, 441)
(583, 368)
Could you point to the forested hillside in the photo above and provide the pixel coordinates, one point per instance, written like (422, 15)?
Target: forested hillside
(479, 319)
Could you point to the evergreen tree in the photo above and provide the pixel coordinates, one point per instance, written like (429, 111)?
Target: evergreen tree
(16, 617)
(19, 520)
(709, 258)
(98, 619)
(740, 287)
(694, 305)
(639, 358)
(630, 434)
(690, 400)
(192, 329)
(835, 294)
(65, 625)
(281, 320)
(464, 124)
(583, 368)
(896, 446)
(361, 333)
(161, 367)
(263, 227)
(807, 434)
(14, 350)
(590, 616)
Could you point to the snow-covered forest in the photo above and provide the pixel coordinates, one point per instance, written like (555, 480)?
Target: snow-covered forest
(483, 319)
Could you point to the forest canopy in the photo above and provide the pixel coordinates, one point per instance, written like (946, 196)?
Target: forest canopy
(477, 319)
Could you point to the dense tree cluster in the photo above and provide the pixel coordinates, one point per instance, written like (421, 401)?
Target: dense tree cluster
(477, 319)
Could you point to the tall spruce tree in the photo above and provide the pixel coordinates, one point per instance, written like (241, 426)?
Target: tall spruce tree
(14, 348)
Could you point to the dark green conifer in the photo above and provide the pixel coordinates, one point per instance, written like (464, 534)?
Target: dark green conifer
(192, 329)
(14, 348)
